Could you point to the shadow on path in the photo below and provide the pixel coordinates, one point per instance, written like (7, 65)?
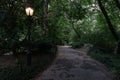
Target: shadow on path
(71, 64)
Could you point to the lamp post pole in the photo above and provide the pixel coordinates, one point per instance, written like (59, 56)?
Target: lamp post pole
(29, 12)
(29, 41)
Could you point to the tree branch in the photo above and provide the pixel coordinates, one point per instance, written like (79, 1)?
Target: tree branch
(110, 25)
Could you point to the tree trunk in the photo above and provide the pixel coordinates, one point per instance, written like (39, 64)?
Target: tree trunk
(117, 3)
(72, 21)
(113, 31)
(44, 18)
(110, 25)
(75, 29)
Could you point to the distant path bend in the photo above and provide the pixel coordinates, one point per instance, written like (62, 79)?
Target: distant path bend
(71, 64)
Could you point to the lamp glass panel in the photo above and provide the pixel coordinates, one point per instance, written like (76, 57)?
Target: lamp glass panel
(29, 11)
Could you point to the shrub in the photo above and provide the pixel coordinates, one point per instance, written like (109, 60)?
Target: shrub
(110, 60)
(77, 44)
(44, 47)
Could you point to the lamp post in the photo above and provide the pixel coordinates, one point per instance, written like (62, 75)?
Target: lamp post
(29, 12)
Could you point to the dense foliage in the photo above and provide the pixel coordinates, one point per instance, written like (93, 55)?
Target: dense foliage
(61, 22)
(66, 22)
(109, 60)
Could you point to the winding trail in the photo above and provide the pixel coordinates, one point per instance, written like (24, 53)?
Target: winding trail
(72, 64)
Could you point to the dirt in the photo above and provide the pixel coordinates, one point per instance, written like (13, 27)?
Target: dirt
(72, 64)
(7, 60)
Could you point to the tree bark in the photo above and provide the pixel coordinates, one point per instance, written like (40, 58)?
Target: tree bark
(75, 29)
(117, 50)
(44, 17)
(110, 25)
(113, 31)
(117, 3)
(72, 22)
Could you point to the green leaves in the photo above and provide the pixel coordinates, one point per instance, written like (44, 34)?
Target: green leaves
(85, 15)
(76, 10)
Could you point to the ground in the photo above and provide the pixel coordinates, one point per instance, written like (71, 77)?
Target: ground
(7, 60)
(72, 64)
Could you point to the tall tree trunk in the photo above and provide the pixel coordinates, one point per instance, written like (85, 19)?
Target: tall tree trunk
(113, 31)
(117, 50)
(117, 3)
(72, 22)
(44, 18)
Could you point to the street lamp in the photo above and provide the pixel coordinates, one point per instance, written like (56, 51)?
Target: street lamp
(29, 12)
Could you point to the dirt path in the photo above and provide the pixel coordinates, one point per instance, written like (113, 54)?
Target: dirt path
(71, 64)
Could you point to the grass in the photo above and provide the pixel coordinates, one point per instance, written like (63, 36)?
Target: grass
(23, 72)
(112, 61)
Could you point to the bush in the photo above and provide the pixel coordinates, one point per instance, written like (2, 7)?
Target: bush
(24, 72)
(77, 44)
(44, 47)
(112, 61)
(43, 53)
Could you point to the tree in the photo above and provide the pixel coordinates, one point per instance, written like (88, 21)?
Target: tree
(117, 3)
(44, 17)
(77, 13)
(113, 31)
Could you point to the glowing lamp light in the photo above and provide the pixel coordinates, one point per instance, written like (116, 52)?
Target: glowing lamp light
(29, 11)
